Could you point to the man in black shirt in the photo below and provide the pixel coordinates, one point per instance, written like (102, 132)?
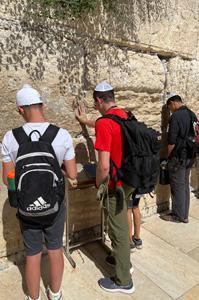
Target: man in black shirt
(180, 156)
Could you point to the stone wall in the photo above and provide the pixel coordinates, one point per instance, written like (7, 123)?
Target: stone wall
(144, 49)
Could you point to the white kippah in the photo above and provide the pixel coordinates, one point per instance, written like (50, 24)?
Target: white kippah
(28, 96)
(170, 95)
(103, 87)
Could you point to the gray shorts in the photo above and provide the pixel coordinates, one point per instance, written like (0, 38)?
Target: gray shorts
(134, 201)
(52, 235)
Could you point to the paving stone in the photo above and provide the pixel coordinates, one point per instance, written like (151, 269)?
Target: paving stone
(194, 254)
(171, 270)
(194, 209)
(193, 294)
(91, 267)
(180, 235)
(12, 284)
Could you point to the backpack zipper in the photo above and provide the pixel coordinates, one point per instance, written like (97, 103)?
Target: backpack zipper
(38, 170)
(34, 154)
(36, 164)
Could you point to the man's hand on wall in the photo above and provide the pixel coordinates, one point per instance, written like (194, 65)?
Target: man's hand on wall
(80, 114)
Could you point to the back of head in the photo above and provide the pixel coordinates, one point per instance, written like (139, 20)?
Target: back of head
(104, 91)
(28, 96)
(172, 97)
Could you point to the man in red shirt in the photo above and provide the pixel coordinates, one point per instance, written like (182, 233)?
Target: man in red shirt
(109, 145)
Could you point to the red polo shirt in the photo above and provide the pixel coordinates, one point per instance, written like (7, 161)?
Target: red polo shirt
(109, 139)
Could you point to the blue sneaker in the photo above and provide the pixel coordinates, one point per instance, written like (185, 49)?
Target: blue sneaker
(110, 286)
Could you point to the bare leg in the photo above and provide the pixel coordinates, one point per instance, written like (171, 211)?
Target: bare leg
(129, 215)
(56, 260)
(32, 274)
(136, 221)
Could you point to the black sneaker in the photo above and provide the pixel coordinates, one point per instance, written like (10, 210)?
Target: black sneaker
(136, 243)
(173, 218)
(132, 247)
(109, 285)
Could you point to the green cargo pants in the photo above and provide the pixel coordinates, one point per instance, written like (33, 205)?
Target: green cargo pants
(118, 232)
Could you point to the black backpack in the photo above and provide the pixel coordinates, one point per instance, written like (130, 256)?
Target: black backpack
(141, 162)
(38, 177)
(193, 136)
(187, 146)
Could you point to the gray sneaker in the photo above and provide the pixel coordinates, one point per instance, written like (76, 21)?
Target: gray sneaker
(136, 243)
(132, 247)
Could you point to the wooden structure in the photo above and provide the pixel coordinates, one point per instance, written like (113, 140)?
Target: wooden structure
(84, 220)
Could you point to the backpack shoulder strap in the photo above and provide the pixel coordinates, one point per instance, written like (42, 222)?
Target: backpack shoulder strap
(193, 119)
(50, 134)
(118, 119)
(112, 117)
(20, 135)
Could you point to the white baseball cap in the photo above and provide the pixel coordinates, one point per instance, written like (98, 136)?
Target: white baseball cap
(28, 96)
(103, 87)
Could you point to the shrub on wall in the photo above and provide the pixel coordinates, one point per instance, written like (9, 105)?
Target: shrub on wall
(70, 8)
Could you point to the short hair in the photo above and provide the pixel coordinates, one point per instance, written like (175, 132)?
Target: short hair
(107, 96)
(175, 98)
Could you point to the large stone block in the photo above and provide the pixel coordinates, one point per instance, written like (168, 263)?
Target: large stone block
(146, 107)
(183, 78)
(125, 70)
(169, 35)
(52, 63)
(157, 25)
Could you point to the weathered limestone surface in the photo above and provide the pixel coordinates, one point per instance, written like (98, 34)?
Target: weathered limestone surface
(183, 77)
(64, 60)
(143, 48)
(125, 70)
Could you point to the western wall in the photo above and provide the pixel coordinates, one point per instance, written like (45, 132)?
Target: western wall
(144, 49)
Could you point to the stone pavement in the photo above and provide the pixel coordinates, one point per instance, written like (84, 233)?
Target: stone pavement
(166, 268)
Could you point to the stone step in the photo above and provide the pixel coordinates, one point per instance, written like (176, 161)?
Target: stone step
(172, 270)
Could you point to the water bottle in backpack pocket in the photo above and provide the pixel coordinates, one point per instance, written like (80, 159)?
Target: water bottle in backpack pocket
(12, 193)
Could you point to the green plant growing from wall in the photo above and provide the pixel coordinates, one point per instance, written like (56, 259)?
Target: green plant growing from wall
(70, 8)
